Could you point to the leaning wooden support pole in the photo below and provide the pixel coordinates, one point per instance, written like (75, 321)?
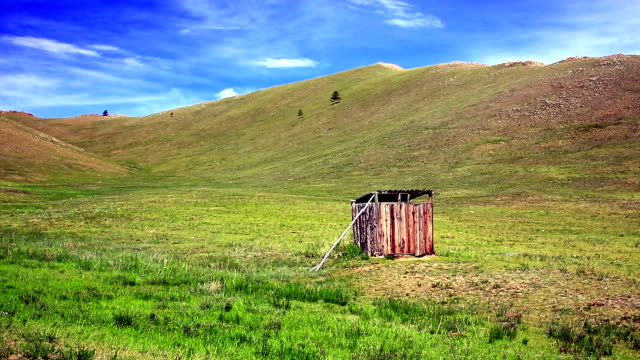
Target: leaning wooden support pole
(319, 266)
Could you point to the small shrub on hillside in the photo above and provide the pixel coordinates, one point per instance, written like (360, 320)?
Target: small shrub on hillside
(335, 98)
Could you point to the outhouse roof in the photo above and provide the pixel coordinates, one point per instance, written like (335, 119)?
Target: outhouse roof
(392, 195)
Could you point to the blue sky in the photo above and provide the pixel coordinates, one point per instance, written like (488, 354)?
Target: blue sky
(136, 57)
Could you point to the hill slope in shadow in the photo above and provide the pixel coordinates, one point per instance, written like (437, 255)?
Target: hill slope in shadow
(27, 154)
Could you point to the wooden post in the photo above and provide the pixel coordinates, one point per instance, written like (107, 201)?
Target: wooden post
(317, 267)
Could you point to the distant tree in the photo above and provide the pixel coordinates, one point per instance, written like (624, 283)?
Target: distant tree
(300, 114)
(335, 98)
(105, 113)
(172, 114)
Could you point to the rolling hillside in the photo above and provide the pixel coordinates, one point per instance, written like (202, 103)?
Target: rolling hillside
(515, 127)
(27, 154)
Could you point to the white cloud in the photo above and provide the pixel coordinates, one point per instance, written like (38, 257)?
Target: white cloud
(28, 84)
(424, 21)
(52, 46)
(105, 47)
(83, 77)
(132, 62)
(226, 93)
(222, 15)
(173, 99)
(210, 27)
(394, 6)
(68, 86)
(598, 28)
(286, 63)
(399, 13)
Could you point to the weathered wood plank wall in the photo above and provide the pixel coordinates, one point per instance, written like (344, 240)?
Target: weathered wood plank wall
(423, 218)
(394, 228)
(365, 229)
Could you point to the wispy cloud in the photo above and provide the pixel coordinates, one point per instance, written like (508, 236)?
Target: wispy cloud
(172, 99)
(595, 29)
(103, 47)
(14, 84)
(132, 62)
(37, 93)
(424, 21)
(48, 45)
(285, 63)
(227, 93)
(224, 15)
(399, 13)
(195, 28)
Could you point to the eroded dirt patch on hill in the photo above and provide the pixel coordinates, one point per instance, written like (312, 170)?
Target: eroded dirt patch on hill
(606, 87)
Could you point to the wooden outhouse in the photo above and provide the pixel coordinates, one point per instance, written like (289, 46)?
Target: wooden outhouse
(392, 224)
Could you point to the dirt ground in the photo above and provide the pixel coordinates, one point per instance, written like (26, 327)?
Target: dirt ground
(539, 295)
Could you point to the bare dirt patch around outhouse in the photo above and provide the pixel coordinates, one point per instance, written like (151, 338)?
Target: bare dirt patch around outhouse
(538, 294)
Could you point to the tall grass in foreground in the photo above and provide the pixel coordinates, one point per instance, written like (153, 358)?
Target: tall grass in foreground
(592, 339)
(140, 305)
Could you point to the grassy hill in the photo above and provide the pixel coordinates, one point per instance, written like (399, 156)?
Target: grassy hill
(512, 127)
(27, 154)
(202, 248)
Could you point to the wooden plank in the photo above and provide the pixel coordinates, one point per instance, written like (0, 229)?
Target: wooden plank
(388, 231)
(365, 229)
(381, 226)
(397, 228)
(376, 249)
(429, 231)
(387, 227)
(370, 227)
(419, 226)
(356, 227)
(372, 236)
(383, 231)
(411, 230)
(401, 228)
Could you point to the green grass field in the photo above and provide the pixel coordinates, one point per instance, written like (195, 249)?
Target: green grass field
(198, 270)
(190, 234)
